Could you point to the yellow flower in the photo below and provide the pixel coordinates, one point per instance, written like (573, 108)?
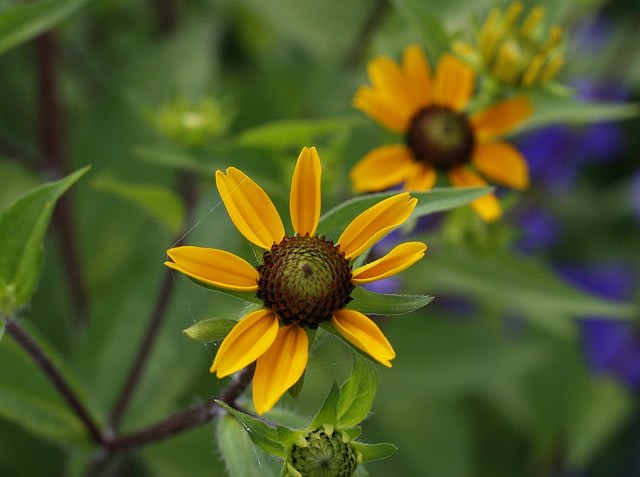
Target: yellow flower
(516, 54)
(439, 136)
(304, 280)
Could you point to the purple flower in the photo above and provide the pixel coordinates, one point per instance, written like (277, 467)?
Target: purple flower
(556, 154)
(611, 347)
(539, 230)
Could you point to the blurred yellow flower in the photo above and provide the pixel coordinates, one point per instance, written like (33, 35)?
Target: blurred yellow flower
(516, 54)
(304, 280)
(439, 136)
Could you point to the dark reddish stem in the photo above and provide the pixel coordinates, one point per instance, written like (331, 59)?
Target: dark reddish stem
(53, 152)
(375, 18)
(184, 420)
(166, 13)
(158, 314)
(22, 337)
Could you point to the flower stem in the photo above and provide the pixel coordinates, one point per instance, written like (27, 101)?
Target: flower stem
(53, 151)
(184, 420)
(166, 13)
(376, 17)
(22, 337)
(158, 315)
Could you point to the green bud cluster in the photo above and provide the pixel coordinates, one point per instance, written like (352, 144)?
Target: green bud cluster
(323, 453)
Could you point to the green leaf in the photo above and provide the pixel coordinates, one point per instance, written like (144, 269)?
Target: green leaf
(374, 451)
(292, 133)
(551, 109)
(295, 390)
(513, 282)
(22, 229)
(237, 449)
(371, 303)
(170, 158)
(602, 412)
(160, 203)
(249, 297)
(3, 324)
(213, 329)
(357, 393)
(262, 435)
(328, 413)
(22, 22)
(437, 200)
(41, 417)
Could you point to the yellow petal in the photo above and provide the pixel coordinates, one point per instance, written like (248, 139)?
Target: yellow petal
(416, 70)
(453, 83)
(382, 168)
(501, 118)
(502, 163)
(381, 109)
(389, 81)
(215, 267)
(280, 367)
(250, 208)
(304, 200)
(246, 342)
(488, 206)
(364, 334)
(401, 257)
(422, 179)
(375, 222)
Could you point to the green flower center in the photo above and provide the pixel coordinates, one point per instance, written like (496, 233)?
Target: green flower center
(440, 137)
(304, 280)
(324, 456)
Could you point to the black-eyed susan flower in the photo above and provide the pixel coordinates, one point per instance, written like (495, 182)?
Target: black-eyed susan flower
(516, 53)
(305, 279)
(438, 135)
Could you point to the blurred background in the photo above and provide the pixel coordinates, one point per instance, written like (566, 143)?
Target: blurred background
(519, 368)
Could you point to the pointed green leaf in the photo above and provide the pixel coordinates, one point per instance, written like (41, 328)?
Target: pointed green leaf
(604, 410)
(336, 220)
(374, 451)
(262, 435)
(22, 228)
(158, 202)
(288, 437)
(237, 450)
(3, 324)
(249, 297)
(174, 159)
(295, 390)
(354, 432)
(328, 413)
(357, 393)
(24, 21)
(213, 329)
(550, 109)
(292, 133)
(513, 282)
(41, 417)
(371, 303)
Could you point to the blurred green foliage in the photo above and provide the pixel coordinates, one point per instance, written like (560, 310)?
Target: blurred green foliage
(503, 390)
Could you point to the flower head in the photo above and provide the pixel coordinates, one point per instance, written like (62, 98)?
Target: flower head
(438, 135)
(304, 280)
(516, 53)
